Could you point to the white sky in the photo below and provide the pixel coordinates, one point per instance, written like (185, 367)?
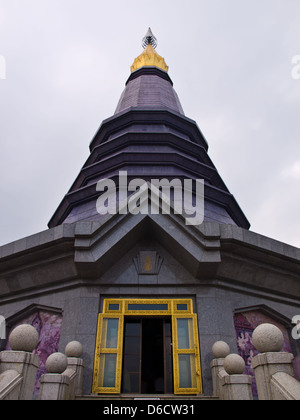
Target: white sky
(67, 62)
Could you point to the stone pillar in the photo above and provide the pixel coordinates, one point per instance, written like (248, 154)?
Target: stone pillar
(220, 350)
(236, 386)
(268, 340)
(75, 367)
(23, 340)
(54, 385)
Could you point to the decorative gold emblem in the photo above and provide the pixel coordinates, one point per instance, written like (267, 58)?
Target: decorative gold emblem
(148, 264)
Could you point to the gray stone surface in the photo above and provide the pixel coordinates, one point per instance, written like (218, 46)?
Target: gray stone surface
(26, 365)
(220, 350)
(265, 366)
(234, 364)
(285, 387)
(74, 349)
(240, 277)
(54, 387)
(57, 363)
(237, 388)
(24, 338)
(10, 385)
(268, 338)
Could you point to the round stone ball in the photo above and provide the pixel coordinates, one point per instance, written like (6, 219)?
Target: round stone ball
(56, 363)
(267, 338)
(74, 349)
(234, 364)
(220, 350)
(24, 338)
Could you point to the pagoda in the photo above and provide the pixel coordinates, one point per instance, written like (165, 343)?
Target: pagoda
(144, 289)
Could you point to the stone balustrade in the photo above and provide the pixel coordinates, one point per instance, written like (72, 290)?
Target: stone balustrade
(274, 372)
(273, 369)
(229, 382)
(220, 350)
(65, 374)
(18, 369)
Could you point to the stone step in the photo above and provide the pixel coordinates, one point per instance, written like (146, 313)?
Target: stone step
(144, 397)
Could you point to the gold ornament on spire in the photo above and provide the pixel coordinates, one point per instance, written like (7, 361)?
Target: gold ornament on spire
(149, 57)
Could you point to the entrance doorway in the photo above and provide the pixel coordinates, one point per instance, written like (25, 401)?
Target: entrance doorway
(147, 346)
(147, 356)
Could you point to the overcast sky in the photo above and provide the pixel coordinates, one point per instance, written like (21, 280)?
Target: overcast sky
(67, 62)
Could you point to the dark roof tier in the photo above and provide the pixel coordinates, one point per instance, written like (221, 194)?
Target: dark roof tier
(149, 137)
(149, 88)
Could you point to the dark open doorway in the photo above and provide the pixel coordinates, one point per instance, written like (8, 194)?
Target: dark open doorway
(153, 356)
(147, 356)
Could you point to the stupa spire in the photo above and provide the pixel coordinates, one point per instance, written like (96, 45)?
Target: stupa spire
(149, 39)
(149, 57)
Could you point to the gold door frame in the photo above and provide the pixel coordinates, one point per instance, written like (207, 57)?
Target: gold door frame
(177, 309)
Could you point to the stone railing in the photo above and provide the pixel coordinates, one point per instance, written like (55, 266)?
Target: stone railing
(274, 372)
(65, 374)
(229, 383)
(273, 369)
(19, 366)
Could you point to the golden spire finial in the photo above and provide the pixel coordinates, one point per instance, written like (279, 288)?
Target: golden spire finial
(149, 57)
(149, 38)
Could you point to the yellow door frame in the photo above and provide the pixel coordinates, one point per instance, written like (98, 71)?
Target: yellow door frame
(108, 369)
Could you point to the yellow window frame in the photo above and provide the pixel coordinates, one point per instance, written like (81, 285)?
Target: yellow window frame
(121, 308)
(194, 353)
(102, 349)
